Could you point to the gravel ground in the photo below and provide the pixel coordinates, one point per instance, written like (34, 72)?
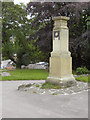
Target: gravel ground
(36, 88)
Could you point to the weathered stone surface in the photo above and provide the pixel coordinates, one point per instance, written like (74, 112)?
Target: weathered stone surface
(5, 74)
(61, 60)
(79, 87)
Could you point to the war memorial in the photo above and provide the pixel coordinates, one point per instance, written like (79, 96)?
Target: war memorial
(61, 60)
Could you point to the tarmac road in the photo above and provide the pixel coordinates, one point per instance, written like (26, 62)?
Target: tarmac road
(22, 104)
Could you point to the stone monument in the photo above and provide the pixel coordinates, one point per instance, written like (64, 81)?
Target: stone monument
(61, 60)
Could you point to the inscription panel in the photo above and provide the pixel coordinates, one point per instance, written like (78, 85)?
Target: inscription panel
(57, 35)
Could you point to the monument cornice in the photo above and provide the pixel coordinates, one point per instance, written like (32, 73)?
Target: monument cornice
(60, 18)
(61, 27)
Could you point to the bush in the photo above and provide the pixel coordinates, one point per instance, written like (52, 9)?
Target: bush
(81, 70)
(37, 85)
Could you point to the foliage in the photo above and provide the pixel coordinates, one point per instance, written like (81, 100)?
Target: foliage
(78, 13)
(88, 23)
(88, 45)
(37, 85)
(16, 26)
(0, 31)
(50, 86)
(54, 93)
(81, 70)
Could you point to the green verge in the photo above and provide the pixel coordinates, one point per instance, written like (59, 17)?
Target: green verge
(50, 86)
(34, 74)
(83, 78)
(26, 74)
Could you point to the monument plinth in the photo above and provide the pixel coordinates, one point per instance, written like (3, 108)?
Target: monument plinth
(61, 60)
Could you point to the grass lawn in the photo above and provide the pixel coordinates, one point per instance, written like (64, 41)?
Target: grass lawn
(83, 78)
(26, 74)
(33, 74)
(50, 86)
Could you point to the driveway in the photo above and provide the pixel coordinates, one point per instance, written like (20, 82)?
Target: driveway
(22, 104)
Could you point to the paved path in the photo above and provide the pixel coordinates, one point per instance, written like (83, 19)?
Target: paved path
(22, 104)
(0, 100)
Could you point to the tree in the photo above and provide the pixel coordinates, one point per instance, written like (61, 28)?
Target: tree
(0, 32)
(88, 45)
(79, 45)
(16, 26)
(78, 13)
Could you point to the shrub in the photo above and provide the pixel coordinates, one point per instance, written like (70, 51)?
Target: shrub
(81, 70)
(37, 85)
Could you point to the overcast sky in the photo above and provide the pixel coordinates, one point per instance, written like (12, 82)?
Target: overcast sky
(21, 1)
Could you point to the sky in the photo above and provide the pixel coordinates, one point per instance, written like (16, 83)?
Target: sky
(21, 1)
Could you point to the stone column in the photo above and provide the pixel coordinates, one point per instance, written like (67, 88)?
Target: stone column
(61, 60)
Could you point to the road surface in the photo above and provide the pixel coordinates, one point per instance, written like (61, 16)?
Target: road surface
(22, 104)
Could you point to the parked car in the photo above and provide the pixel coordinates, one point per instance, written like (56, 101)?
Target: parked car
(7, 64)
(42, 63)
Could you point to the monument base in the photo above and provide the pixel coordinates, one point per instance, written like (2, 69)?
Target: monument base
(67, 81)
(61, 69)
